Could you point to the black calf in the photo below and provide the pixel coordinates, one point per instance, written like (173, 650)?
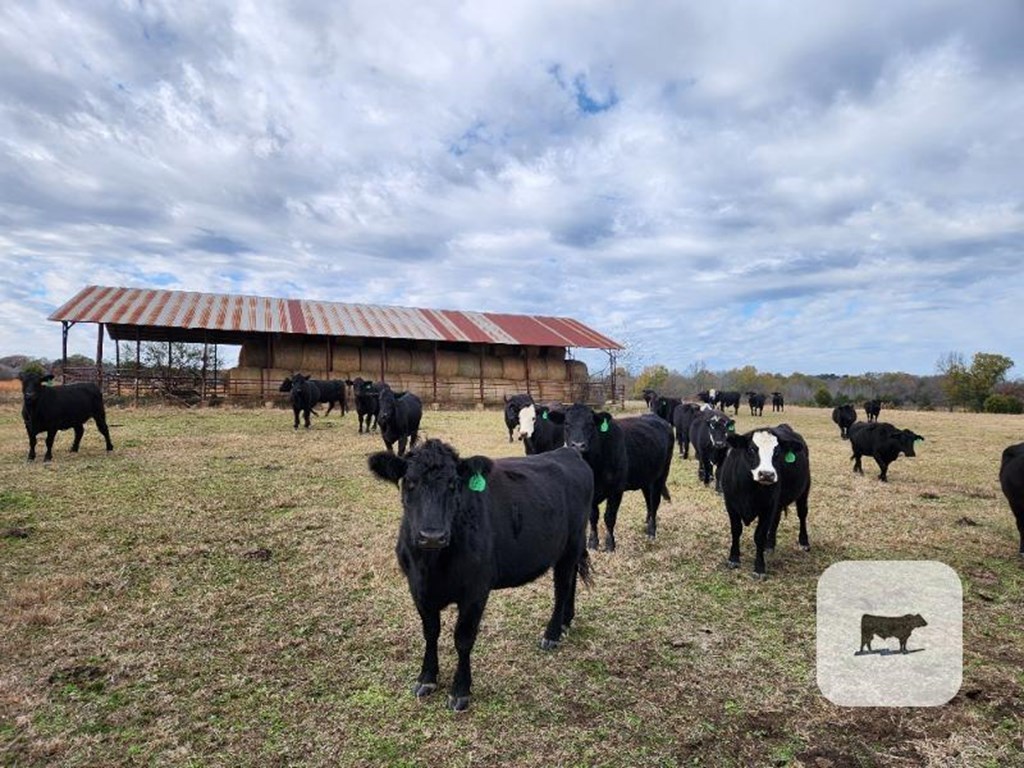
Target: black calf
(52, 409)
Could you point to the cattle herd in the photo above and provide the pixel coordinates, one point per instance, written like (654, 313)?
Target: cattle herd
(470, 525)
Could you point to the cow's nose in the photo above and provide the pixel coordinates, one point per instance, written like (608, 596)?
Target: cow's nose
(433, 539)
(766, 476)
(579, 446)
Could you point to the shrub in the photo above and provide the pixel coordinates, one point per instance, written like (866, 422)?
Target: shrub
(823, 398)
(1003, 404)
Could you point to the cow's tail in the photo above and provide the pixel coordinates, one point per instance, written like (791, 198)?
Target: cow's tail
(583, 568)
(664, 493)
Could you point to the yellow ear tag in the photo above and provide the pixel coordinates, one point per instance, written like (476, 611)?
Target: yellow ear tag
(477, 483)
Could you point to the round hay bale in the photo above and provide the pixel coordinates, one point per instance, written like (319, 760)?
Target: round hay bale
(287, 353)
(514, 368)
(493, 368)
(576, 370)
(369, 360)
(422, 363)
(314, 355)
(253, 354)
(399, 361)
(346, 358)
(469, 365)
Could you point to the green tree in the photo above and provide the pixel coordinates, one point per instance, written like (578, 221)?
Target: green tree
(955, 379)
(823, 397)
(987, 370)
(651, 377)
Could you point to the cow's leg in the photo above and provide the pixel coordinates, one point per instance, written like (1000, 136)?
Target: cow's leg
(856, 464)
(414, 438)
(1020, 529)
(50, 436)
(296, 412)
(101, 425)
(510, 434)
(736, 528)
(466, 629)
(32, 453)
(686, 449)
(611, 513)
(865, 639)
(772, 531)
(801, 512)
(426, 683)
(79, 431)
(652, 498)
(595, 515)
(883, 467)
(717, 468)
(760, 539)
(565, 571)
(401, 445)
(389, 446)
(330, 406)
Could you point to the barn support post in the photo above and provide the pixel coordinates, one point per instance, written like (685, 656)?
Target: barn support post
(215, 362)
(65, 326)
(383, 359)
(202, 380)
(99, 356)
(138, 368)
(526, 359)
(483, 349)
(330, 356)
(434, 371)
(117, 366)
(170, 363)
(611, 363)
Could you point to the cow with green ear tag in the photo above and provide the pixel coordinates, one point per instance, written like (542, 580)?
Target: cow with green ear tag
(709, 432)
(764, 472)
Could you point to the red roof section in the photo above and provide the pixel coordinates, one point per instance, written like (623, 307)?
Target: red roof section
(258, 314)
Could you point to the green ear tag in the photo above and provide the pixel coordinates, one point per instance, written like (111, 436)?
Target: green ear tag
(544, 415)
(477, 483)
(604, 426)
(790, 457)
(731, 428)
(918, 439)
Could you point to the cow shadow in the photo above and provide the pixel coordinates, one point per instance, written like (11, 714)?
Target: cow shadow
(888, 652)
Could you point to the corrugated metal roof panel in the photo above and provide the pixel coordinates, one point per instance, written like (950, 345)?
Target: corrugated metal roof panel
(259, 314)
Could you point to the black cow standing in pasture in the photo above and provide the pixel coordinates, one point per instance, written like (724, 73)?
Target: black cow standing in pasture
(648, 395)
(872, 408)
(304, 395)
(881, 441)
(664, 407)
(707, 396)
(728, 399)
(52, 409)
(332, 392)
(625, 455)
(399, 418)
(885, 627)
(764, 472)
(1011, 478)
(513, 405)
(473, 525)
(844, 416)
(682, 418)
(756, 402)
(778, 402)
(538, 432)
(367, 397)
(709, 432)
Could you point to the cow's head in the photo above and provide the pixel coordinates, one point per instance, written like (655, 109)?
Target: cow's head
(513, 405)
(286, 385)
(583, 427)
(435, 485)
(649, 396)
(32, 384)
(764, 452)
(908, 438)
(720, 427)
(388, 405)
(527, 421)
(917, 620)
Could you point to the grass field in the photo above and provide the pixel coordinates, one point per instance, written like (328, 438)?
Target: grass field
(222, 591)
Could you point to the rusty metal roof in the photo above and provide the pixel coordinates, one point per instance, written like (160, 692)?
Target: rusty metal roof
(186, 310)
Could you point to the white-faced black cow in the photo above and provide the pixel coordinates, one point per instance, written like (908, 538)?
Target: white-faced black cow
(332, 391)
(844, 416)
(52, 409)
(538, 432)
(728, 399)
(872, 408)
(1011, 478)
(473, 525)
(778, 402)
(625, 455)
(881, 441)
(513, 405)
(367, 397)
(765, 471)
(756, 402)
(399, 418)
(682, 418)
(709, 432)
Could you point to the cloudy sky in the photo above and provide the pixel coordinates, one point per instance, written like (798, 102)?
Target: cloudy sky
(794, 185)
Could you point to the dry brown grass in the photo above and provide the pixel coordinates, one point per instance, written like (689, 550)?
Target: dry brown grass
(222, 591)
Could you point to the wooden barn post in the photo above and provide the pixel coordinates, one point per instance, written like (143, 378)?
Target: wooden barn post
(65, 326)
(483, 349)
(435, 371)
(138, 368)
(526, 359)
(117, 366)
(206, 357)
(99, 356)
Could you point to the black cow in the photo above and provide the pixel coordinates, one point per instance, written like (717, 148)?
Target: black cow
(707, 396)
(399, 418)
(844, 416)
(649, 395)
(756, 402)
(1011, 478)
(664, 407)
(872, 408)
(513, 405)
(682, 417)
(709, 432)
(304, 395)
(52, 409)
(625, 455)
(473, 525)
(899, 627)
(367, 397)
(778, 402)
(331, 391)
(538, 432)
(881, 441)
(764, 472)
(730, 399)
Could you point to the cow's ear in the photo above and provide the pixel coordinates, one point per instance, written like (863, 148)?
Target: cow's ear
(387, 466)
(474, 471)
(556, 417)
(737, 441)
(791, 446)
(603, 421)
(49, 377)
(919, 437)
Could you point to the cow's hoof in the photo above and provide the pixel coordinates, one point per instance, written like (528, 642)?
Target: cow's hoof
(548, 645)
(732, 564)
(422, 690)
(458, 703)
(651, 536)
(592, 541)
(759, 576)
(47, 459)
(769, 550)
(609, 545)
(805, 547)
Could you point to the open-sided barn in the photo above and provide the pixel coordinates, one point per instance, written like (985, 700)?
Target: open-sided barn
(443, 356)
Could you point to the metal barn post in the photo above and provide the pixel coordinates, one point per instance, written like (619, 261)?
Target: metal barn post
(99, 356)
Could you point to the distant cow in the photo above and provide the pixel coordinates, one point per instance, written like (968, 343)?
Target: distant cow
(885, 627)
(872, 408)
(513, 405)
(648, 395)
(881, 441)
(707, 396)
(764, 472)
(473, 525)
(331, 391)
(399, 418)
(367, 397)
(625, 455)
(664, 407)
(756, 402)
(844, 416)
(682, 418)
(304, 395)
(1011, 478)
(52, 409)
(778, 402)
(709, 432)
(728, 399)
(538, 432)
